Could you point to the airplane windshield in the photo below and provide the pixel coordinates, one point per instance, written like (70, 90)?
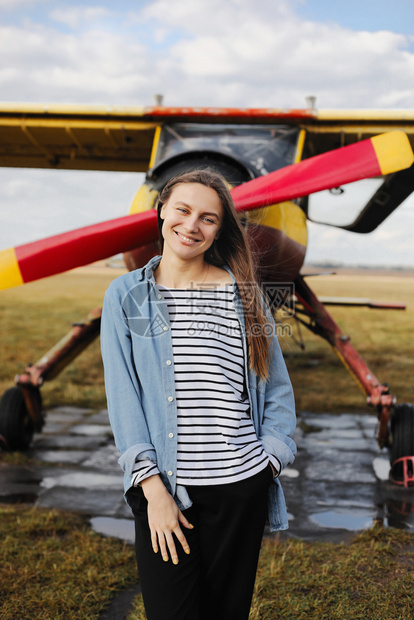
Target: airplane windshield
(262, 148)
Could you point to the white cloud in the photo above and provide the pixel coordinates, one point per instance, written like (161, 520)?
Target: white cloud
(76, 16)
(204, 52)
(13, 5)
(268, 48)
(53, 66)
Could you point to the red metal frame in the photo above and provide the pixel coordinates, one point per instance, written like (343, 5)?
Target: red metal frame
(226, 113)
(322, 324)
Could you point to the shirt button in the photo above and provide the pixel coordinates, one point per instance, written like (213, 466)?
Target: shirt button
(168, 362)
(159, 296)
(170, 398)
(171, 435)
(165, 328)
(169, 473)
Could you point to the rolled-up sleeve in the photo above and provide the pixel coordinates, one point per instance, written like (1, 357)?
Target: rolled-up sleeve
(127, 418)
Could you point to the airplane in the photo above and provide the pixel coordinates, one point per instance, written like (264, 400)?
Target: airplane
(275, 160)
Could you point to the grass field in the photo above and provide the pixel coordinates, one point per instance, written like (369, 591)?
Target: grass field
(53, 566)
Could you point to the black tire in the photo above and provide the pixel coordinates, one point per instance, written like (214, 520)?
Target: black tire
(16, 425)
(402, 438)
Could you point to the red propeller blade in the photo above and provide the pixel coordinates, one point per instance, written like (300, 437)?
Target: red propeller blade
(378, 156)
(60, 253)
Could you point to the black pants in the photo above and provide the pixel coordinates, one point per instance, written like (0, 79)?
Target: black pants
(216, 580)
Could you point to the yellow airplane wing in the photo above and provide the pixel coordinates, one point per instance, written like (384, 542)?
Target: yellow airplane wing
(75, 137)
(80, 137)
(335, 128)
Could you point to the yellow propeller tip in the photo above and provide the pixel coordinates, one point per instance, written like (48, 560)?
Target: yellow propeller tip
(10, 274)
(393, 151)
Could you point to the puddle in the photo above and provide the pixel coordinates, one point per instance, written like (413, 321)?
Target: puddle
(91, 429)
(289, 472)
(381, 467)
(67, 457)
(352, 520)
(83, 480)
(118, 528)
(400, 513)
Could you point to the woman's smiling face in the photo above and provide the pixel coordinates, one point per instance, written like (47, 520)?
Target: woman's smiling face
(192, 217)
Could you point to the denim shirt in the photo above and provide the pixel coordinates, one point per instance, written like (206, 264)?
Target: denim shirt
(138, 359)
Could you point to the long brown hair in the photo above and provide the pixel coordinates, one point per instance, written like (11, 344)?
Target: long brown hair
(232, 249)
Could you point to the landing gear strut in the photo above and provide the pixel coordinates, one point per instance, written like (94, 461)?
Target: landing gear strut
(21, 406)
(395, 422)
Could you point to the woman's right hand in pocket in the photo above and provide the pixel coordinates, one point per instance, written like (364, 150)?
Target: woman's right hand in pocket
(165, 519)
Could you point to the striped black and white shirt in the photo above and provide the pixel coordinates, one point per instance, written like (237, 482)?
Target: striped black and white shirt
(217, 443)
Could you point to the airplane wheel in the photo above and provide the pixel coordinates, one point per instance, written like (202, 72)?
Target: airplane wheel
(402, 437)
(16, 426)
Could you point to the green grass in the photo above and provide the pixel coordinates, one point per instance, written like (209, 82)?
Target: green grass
(370, 578)
(52, 566)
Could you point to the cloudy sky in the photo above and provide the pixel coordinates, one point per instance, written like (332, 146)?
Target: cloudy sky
(244, 53)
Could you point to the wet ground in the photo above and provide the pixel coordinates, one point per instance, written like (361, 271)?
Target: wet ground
(338, 484)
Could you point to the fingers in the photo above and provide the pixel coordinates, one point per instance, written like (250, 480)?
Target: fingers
(167, 546)
(171, 546)
(164, 542)
(184, 521)
(154, 540)
(182, 540)
(164, 519)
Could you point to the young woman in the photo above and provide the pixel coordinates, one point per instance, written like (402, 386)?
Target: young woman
(201, 407)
